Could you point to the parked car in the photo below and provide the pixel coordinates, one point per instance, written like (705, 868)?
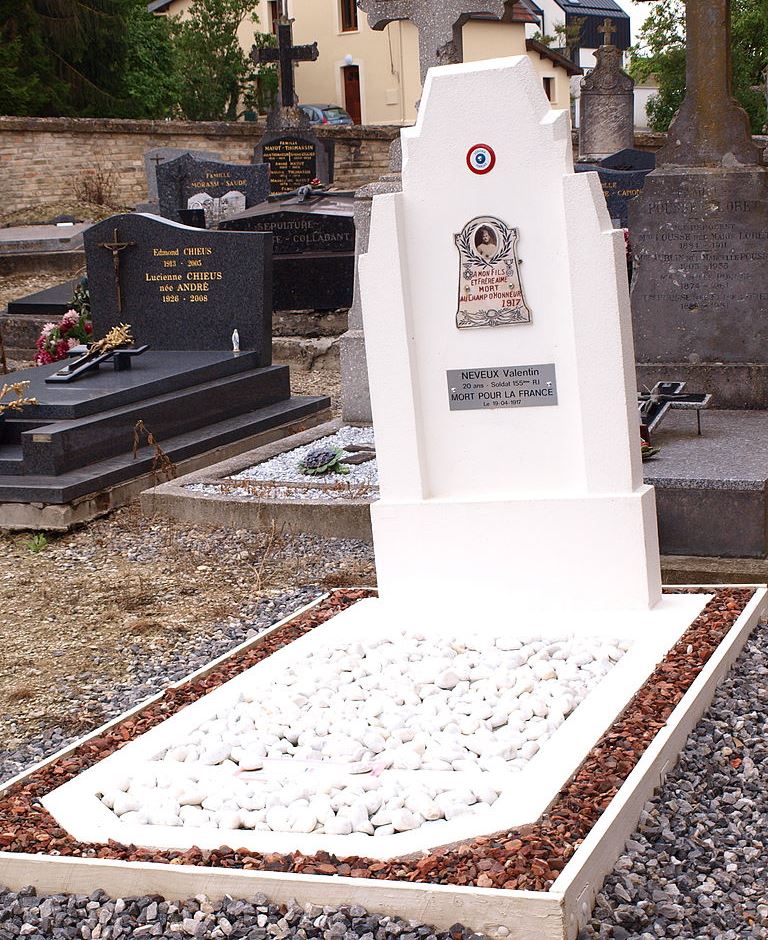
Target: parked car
(326, 114)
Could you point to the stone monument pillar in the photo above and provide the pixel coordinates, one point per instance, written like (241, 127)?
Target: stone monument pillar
(607, 104)
(700, 290)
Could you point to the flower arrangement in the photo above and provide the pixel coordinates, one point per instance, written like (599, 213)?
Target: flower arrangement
(74, 329)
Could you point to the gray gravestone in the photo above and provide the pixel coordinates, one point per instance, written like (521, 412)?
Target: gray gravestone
(313, 249)
(153, 158)
(180, 287)
(606, 105)
(219, 189)
(700, 289)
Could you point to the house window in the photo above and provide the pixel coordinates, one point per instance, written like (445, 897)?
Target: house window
(274, 14)
(348, 15)
(549, 88)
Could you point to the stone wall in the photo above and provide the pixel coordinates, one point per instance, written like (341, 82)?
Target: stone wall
(43, 160)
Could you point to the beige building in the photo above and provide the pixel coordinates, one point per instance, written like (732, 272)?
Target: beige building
(375, 74)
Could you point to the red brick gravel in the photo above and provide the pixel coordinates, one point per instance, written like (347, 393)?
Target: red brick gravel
(526, 858)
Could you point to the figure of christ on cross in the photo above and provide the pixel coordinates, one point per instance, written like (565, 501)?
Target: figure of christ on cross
(285, 55)
(116, 246)
(439, 23)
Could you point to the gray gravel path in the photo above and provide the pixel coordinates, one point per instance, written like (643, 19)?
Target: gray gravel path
(698, 865)
(88, 917)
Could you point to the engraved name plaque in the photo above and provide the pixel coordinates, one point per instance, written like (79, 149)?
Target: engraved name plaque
(502, 387)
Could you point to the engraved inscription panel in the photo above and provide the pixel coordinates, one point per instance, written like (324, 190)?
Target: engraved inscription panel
(502, 387)
(292, 163)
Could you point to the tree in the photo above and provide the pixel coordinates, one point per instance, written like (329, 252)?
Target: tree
(215, 71)
(62, 56)
(661, 54)
(152, 78)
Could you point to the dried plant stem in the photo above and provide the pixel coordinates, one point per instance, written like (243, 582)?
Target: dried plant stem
(163, 468)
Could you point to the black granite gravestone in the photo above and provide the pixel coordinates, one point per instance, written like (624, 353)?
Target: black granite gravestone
(314, 249)
(619, 187)
(219, 189)
(158, 155)
(180, 287)
(296, 157)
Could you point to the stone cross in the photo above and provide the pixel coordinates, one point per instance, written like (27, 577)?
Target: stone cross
(439, 23)
(710, 128)
(608, 31)
(116, 246)
(285, 55)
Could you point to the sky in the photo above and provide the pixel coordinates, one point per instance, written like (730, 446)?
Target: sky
(637, 13)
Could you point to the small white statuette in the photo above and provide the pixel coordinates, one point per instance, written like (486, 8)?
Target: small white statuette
(235, 342)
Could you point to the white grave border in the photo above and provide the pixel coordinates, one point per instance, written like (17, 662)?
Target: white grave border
(557, 914)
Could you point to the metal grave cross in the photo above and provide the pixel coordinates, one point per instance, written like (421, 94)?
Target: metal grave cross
(116, 246)
(439, 23)
(654, 405)
(608, 31)
(285, 54)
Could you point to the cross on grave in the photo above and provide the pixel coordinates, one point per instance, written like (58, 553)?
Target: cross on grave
(608, 31)
(654, 405)
(439, 23)
(116, 246)
(710, 128)
(157, 160)
(285, 54)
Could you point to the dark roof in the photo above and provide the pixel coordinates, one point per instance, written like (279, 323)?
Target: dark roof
(593, 12)
(556, 57)
(158, 6)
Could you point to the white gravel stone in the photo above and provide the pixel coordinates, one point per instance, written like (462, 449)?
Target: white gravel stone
(277, 477)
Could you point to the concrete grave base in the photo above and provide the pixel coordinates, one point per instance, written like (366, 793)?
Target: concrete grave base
(557, 914)
(49, 517)
(327, 518)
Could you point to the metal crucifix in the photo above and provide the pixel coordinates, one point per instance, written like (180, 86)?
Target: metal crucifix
(116, 246)
(285, 55)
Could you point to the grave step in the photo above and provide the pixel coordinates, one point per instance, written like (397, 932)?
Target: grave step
(62, 446)
(10, 459)
(104, 474)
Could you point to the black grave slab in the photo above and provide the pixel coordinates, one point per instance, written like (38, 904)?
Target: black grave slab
(53, 302)
(220, 189)
(314, 249)
(154, 373)
(79, 438)
(630, 159)
(101, 475)
(181, 287)
(619, 188)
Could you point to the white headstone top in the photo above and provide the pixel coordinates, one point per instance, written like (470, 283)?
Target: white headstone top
(497, 320)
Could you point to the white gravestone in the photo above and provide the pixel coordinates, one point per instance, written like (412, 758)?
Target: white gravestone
(497, 320)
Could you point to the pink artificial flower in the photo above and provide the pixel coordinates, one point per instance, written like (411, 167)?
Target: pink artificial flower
(47, 329)
(69, 318)
(72, 342)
